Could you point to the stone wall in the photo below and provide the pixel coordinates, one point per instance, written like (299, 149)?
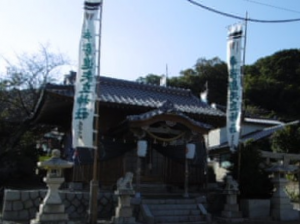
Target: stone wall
(22, 205)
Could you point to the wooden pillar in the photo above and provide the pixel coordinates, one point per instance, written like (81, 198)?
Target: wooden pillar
(138, 178)
(186, 179)
(189, 154)
(299, 182)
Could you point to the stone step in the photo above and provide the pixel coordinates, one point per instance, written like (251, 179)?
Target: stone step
(176, 212)
(179, 219)
(172, 206)
(198, 222)
(161, 195)
(153, 190)
(149, 188)
(169, 201)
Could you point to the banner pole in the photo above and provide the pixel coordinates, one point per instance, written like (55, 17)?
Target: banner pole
(94, 184)
(243, 102)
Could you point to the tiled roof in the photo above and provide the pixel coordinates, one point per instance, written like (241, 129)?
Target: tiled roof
(168, 107)
(123, 92)
(263, 121)
(266, 132)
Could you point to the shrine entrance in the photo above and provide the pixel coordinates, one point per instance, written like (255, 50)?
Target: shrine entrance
(173, 151)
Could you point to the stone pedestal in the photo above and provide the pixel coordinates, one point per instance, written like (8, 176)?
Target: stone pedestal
(282, 208)
(123, 214)
(52, 210)
(231, 210)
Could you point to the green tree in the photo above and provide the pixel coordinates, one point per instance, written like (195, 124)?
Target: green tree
(254, 181)
(286, 140)
(150, 79)
(213, 72)
(272, 83)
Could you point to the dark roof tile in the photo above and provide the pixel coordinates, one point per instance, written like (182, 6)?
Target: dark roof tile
(125, 92)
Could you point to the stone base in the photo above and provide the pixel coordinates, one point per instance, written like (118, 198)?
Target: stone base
(123, 211)
(51, 214)
(282, 208)
(130, 192)
(56, 209)
(34, 221)
(229, 220)
(232, 211)
(123, 220)
(234, 207)
(231, 208)
(52, 217)
(256, 208)
(285, 215)
(232, 214)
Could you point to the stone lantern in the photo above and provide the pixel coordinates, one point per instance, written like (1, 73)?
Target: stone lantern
(281, 205)
(52, 208)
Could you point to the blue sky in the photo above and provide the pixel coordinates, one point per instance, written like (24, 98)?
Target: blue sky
(140, 37)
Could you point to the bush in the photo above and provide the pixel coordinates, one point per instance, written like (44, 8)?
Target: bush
(254, 181)
(17, 168)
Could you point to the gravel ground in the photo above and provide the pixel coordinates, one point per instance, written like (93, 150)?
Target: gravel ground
(213, 222)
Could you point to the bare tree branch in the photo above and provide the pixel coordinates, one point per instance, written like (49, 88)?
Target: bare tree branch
(20, 90)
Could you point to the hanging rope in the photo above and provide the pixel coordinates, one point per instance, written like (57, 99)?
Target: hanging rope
(165, 139)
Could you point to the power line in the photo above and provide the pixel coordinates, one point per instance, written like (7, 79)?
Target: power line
(273, 6)
(242, 18)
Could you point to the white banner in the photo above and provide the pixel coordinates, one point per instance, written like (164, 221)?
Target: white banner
(235, 89)
(85, 86)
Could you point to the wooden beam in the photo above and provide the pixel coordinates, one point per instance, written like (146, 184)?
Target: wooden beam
(283, 156)
(164, 130)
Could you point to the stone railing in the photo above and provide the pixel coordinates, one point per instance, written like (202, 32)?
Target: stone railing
(22, 205)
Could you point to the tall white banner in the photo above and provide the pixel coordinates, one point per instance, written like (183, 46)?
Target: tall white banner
(85, 86)
(235, 89)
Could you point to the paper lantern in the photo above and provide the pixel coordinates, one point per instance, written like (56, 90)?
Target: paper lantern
(142, 148)
(190, 151)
